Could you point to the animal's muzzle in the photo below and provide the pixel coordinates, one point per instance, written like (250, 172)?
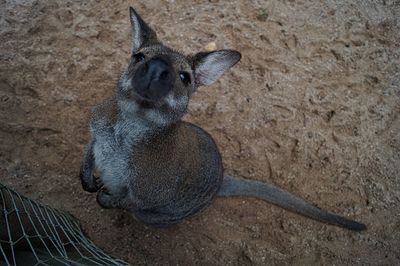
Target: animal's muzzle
(154, 79)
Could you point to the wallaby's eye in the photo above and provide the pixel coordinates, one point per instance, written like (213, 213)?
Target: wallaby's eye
(185, 77)
(138, 57)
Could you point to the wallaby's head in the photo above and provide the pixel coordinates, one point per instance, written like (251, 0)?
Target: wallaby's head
(159, 81)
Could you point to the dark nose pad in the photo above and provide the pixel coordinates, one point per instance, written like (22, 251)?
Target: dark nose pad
(157, 70)
(153, 80)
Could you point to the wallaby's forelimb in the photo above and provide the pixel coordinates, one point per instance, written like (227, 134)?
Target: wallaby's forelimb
(235, 186)
(106, 200)
(86, 172)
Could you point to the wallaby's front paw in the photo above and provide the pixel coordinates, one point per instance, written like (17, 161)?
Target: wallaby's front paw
(90, 185)
(107, 200)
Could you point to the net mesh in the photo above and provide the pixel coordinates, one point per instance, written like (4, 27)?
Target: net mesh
(32, 233)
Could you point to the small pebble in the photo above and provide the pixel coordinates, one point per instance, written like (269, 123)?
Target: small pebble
(210, 47)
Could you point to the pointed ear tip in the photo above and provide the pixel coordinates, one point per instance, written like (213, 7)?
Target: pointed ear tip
(132, 10)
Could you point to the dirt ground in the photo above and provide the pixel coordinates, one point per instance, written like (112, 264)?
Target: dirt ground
(313, 107)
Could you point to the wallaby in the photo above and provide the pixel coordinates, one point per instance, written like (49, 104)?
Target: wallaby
(153, 164)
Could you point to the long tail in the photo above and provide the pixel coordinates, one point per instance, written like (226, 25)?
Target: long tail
(235, 186)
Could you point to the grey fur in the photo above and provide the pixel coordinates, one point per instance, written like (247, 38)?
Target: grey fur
(236, 186)
(151, 163)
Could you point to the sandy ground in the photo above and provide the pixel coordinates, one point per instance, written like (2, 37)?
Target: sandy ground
(313, 107)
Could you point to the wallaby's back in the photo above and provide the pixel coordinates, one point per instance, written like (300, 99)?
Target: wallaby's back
(191, 170)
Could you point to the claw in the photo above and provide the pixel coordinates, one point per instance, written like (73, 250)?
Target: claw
(106, 200)
(99, 182)
(90, 186)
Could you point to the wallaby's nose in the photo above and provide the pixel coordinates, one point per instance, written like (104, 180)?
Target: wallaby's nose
(157, 69)
(153, 80)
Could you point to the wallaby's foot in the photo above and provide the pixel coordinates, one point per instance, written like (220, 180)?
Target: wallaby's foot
(107, 200)
(90, 184)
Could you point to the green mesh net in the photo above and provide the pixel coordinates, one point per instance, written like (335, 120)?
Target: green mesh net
(32, 233)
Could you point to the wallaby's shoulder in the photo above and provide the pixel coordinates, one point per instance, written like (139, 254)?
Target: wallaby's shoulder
(106, 112)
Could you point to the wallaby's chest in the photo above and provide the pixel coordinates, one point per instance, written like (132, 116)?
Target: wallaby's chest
(113, 148)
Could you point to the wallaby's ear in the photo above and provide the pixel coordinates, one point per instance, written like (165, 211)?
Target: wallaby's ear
(142, 34)
(209, 67)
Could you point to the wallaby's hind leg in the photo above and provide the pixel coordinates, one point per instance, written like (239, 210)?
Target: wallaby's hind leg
(235, 186)
(88, 180)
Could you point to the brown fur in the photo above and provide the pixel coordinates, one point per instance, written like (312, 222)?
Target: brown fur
(174, 161)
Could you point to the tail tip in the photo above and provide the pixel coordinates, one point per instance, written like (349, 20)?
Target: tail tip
(356, 226)
(360, 227)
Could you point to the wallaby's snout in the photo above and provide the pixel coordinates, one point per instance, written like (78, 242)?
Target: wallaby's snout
(154, 79)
